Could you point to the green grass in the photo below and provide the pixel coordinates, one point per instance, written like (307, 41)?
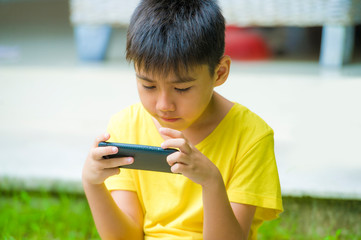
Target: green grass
(44, 215)
(63, 215)
(309, 218)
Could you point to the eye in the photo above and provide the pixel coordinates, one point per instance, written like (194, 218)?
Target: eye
(149, 87)
(182, 89)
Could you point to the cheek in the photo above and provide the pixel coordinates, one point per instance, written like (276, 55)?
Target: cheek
(145, 98)
(201, 101)
(194, 105)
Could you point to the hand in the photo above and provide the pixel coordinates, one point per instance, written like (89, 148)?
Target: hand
(96, 169)
(189, 161)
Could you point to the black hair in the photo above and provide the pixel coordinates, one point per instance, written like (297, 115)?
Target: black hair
(167, 36)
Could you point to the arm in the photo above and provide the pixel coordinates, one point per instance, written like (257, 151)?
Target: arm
(119, 219)
(222, 219)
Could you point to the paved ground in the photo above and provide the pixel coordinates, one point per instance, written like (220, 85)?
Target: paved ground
(52, 107)
(50, 116)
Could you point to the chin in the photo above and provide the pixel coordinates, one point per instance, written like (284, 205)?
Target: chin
(175, 126)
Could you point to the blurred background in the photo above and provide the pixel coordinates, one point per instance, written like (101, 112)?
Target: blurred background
(63, 74)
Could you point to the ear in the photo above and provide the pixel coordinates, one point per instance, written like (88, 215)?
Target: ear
(222, 70)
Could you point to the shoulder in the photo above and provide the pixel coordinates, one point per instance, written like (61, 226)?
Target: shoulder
(249, 127)
(128, 116)
(249, 121)
(122, 124)
(129, 112)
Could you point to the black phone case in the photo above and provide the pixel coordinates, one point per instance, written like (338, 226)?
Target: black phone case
(145, 157)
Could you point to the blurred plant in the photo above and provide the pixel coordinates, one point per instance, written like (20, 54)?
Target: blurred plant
(335, 237)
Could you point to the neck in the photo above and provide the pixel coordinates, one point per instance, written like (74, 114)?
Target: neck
(215, 112)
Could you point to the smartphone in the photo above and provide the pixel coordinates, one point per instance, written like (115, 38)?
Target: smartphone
(145, 157)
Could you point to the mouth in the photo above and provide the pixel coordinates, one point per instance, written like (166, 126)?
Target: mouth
(165, 119)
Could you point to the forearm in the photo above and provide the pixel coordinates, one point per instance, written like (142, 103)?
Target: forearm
(110, 221)
(219, 219)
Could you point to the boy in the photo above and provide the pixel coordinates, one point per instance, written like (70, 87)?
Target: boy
(228, 182)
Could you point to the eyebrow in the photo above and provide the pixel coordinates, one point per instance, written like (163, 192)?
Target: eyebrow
(177, 80)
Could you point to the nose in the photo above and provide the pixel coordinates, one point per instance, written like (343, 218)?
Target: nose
(165, 102)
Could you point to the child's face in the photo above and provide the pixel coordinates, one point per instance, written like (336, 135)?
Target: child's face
(176, 102)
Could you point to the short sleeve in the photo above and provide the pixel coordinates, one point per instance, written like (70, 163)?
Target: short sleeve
(122, 181)
(255, 179)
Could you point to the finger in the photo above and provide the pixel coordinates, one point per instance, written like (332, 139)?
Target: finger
(115, 162)
(171, 133)
(177, 168)
(100, 152)
(175, 158)
(179, 143)
(105, 173)
(101, 138)
(111, 171)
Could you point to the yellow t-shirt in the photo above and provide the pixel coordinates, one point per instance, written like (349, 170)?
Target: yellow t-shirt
(241, 146)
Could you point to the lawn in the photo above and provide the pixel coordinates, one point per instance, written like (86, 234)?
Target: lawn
(312, 219)
(45, 215)
(65, 215)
